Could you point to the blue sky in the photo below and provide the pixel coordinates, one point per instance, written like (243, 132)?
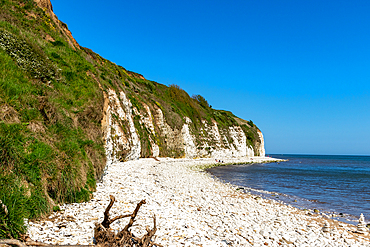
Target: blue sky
(298, 69)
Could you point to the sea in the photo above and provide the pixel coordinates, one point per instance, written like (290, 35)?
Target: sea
(336, 185)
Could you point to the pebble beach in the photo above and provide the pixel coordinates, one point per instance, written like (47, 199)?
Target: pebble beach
(192, 209)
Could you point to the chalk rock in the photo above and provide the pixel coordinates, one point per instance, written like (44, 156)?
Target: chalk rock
(361, 227)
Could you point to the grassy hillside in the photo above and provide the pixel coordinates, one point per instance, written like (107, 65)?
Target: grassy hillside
(51, 147)
(51, 107)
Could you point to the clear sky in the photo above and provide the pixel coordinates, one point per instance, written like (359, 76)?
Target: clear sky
(300, 70)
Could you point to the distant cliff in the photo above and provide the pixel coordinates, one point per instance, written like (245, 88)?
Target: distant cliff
(65, 112)
(152, 127)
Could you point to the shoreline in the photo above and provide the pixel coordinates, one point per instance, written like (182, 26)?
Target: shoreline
(192, 209)
(233, 161)
(284, 198)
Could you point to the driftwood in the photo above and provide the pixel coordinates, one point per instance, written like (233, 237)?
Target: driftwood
(155, 158)
(7, 242)
(18, 243)
(15, 242)
(104, 236)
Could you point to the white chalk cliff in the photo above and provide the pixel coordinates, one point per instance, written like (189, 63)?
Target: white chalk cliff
(124, 143)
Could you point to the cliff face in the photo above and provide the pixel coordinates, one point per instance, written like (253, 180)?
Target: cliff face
(46, 6)
(65, 111)
(124, 143)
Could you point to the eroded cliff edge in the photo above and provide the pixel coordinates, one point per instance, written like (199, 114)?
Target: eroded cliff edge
(142, 130)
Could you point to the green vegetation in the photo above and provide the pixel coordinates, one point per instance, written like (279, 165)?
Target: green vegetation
(50, 110)
(22, 159)
(27, 57)
(56, 208)
(252, 135)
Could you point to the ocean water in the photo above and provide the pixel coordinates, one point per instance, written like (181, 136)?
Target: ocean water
(333, 184)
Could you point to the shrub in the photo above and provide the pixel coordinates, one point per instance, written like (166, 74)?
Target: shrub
(201, 100)
(13, 209)
(27, 56)
(20, 169)
(58, 43)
